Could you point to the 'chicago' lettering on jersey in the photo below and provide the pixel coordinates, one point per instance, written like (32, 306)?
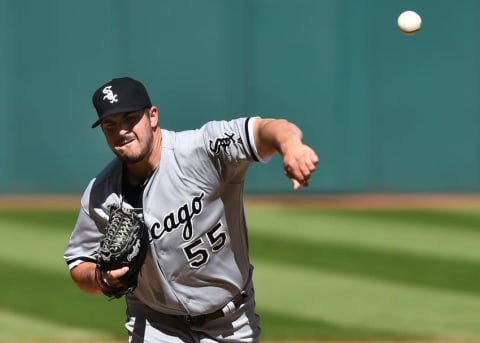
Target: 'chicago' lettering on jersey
(224, 143)
(183, 215)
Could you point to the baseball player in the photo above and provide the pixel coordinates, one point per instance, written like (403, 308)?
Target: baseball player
(196, 281)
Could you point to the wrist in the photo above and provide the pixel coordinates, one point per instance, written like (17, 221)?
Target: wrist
(101, 281)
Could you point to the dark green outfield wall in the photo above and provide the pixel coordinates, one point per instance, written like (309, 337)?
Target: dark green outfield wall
(385, 112)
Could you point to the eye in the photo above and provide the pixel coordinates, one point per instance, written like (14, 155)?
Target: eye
(108, 125)
(133, 118)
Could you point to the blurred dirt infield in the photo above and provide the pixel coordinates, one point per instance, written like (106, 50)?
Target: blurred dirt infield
(372, 201)
(343, 201)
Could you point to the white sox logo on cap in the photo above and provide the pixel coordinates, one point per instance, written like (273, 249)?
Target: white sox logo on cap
(109, 95)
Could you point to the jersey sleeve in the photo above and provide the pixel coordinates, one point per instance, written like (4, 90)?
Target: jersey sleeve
(231, 147)
(85, 238)
(231, 141)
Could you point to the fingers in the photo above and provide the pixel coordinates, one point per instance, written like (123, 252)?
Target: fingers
(299, 165)
(300, 181)
(297, 185)
(112, 276)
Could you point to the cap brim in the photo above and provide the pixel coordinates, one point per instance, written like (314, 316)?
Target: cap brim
(115, 111)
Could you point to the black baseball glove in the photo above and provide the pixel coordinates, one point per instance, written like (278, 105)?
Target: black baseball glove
(125, 244)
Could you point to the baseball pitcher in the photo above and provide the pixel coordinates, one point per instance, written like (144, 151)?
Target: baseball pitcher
(163, 224)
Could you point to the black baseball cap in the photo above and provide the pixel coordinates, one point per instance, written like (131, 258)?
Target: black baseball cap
(120, 95)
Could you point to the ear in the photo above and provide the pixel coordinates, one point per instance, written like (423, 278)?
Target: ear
(153, 114)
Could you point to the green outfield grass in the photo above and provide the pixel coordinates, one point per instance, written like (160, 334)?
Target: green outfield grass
(320, 274)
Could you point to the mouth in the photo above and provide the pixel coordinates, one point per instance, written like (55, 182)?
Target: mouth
(124, 141)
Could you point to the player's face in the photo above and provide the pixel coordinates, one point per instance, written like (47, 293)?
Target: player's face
(129, 135)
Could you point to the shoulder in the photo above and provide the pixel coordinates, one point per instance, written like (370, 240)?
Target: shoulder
(219, 126)
(110, 176)
(103, 190)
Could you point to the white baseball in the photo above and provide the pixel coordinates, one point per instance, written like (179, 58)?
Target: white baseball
(409, 22)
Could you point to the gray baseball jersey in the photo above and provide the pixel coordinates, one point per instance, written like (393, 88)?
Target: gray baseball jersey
(193, 209)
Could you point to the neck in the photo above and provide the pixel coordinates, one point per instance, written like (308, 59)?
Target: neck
(138, 173)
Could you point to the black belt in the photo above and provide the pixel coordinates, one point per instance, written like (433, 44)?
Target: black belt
(235, 303)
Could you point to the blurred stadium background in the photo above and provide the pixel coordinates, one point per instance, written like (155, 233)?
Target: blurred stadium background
(387, 113)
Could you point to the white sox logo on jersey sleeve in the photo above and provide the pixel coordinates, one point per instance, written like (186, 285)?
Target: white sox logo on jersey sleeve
(197, 251)
(222, 143)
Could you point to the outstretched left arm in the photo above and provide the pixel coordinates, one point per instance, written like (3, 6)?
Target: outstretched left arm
(279, 135)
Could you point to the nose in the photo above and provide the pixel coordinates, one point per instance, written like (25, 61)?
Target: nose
(124, 125)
